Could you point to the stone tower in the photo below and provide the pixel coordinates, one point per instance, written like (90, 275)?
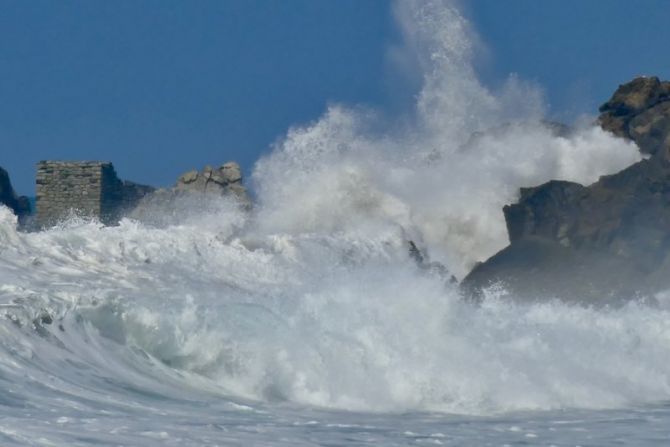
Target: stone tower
(85, 188)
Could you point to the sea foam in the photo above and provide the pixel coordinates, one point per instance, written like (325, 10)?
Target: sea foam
(312, 297)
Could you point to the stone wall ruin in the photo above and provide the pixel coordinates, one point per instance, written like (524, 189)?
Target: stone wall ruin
(90, 189)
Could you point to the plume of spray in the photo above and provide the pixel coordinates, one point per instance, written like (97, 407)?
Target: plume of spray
(444, 175)
(326, 309)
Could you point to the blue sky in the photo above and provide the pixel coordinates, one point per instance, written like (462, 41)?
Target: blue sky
(160, 86)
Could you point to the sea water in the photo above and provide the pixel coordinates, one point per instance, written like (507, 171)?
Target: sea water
(193, 335)
(305, 321)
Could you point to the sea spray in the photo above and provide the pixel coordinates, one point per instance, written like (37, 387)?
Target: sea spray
(330, 320)
(312, 297)
(447, 174)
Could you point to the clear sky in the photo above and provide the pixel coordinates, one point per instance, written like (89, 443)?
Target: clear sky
(161, 86)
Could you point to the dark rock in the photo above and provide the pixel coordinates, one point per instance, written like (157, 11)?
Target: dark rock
(609, 240)
(640, 111)
(547, 210)
(610, 236)
(431, 267)
(535, 269)
(415, 253)
(20, 205)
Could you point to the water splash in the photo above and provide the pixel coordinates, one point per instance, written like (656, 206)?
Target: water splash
(313, 298)
(445, 186)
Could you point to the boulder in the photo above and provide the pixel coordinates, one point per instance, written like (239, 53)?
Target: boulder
(225, 180)
(640, 111)
(19, 204)
(231, 172)
(194, 192)
(603, 242)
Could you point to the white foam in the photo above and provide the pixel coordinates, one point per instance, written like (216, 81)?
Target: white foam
(432, 177)
(313, 298)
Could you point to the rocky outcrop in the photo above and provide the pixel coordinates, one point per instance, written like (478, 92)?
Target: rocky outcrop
(609, 240)
(222, 181)
(640, 111)
(19, 204)
(194, 192)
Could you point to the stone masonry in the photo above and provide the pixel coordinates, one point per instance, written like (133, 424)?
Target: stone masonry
(84, 188)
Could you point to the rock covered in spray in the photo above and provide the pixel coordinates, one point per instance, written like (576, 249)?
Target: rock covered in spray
(599, 242)
(427, 266)
(224, 180)
(194, 191)
(640, 111)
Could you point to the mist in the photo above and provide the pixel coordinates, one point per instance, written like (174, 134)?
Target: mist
(444, 171)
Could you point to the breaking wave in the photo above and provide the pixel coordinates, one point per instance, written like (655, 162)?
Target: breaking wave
(333, 320)
(445, 169)
(312, 298)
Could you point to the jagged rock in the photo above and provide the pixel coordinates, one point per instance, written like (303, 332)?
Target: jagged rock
(231, 172)
(432, 267)
(188, 177)
(607, 240)
(19, 204)
(415, 254)
(547, 210)
(224, 180)
(193, 193)
(640, 111)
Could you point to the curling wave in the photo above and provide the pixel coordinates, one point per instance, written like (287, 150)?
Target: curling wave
(312, 298)
(339, 320)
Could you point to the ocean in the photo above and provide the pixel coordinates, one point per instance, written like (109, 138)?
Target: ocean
(306, 322)
(191, 335)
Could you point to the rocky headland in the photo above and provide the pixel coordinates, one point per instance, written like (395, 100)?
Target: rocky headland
(605, 241)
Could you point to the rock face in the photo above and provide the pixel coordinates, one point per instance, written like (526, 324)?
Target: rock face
(640, 111)
(224, 180)
(19, 204)
(194, 192)
(609, 240)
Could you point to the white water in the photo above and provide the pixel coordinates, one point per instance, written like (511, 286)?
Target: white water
(194, 326)
(306, 321)
(427, 172)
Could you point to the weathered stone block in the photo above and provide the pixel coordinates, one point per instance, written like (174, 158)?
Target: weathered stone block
(90, 189)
